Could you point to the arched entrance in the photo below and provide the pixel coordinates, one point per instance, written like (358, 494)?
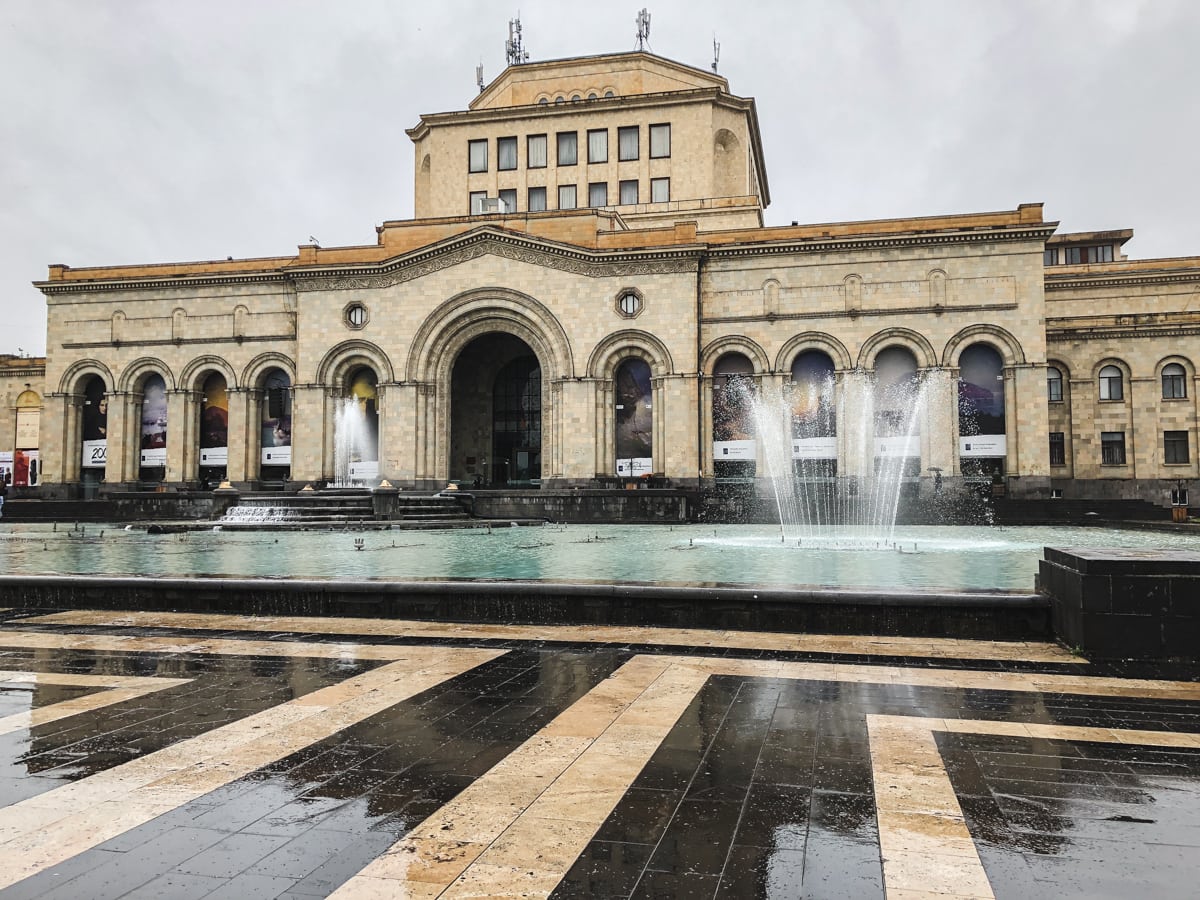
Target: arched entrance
(152, 446)
(982, 445)
(734, 446)
(275, 427)
(214, 430)
(356, 430)
(496, 413)
(93, 435)
(814, 416)
(634, 418)
(897, 403)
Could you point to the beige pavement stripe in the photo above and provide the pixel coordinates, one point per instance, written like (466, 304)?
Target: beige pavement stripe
(43, 640)
(114, 689)
(923, 837)
(45, 830)
(520, 827)
(937, 648)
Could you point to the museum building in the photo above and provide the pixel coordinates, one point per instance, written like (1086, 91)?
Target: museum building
(587, 297)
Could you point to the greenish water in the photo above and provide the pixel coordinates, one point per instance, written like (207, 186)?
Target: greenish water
(920, 558)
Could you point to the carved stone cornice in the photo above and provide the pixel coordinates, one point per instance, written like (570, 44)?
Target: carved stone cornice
(1074, 282)
(537, 253)
(1014, 233)
(178, 282)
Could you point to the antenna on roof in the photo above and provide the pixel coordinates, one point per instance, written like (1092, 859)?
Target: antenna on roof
(514, 51)
(643, 24)
(716, 53)
(479, 76)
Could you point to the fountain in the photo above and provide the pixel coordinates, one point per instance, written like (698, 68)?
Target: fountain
(355, 446)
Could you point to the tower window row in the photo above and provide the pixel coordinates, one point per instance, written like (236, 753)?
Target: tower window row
(566, 145)
(599, 194)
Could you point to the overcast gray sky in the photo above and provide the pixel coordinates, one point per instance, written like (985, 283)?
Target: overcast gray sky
(158, 130)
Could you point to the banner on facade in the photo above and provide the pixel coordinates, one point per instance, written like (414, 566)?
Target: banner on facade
(898, 446)
(365, 471)
(276, 456)
(634, 418)
(6, 466)
(214, 456)
(25, 468)
(723, 450)
(814, 448)
(276, 425)
(154, 423)
(986, 445)
(28, 421)
(635, 467)
(214, 423)
(95, 454)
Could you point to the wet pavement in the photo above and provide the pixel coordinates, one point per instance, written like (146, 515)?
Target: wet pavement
(152, 755)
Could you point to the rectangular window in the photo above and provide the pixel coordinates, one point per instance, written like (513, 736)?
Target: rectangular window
(1050, 257)
(598, 194)
(1073, 256)
(476, 199)
(660, 141)
(660, 190)
(535, 151)
(477, 156)
(1058, 449)
(629, 192)
(627, 143)
(1100, 254)
(1175, 447)
(568, 148)
(508, 200)
(506, 153)
(598, 146)
(1112, 448)
(537, 199)
(566, 196)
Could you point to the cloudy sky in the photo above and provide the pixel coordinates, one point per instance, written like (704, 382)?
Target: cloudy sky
(158, 130)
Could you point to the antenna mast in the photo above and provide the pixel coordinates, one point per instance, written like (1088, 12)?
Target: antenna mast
(479, 76)
(514, 50)
(716, 54)
(643, 25)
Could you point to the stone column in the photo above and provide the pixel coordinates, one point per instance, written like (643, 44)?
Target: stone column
(1027, 420)
(856, 428)
(312, 428)
(398, 433)
(53, 449)
(239, 468)
(675, 426)
(182, 427)
(578, 430)
(121, 466)
(1143, 442)
(939, 428)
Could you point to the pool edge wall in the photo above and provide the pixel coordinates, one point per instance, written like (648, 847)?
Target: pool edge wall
(982, 615)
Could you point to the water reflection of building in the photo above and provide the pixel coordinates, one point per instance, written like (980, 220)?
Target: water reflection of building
(586, 272)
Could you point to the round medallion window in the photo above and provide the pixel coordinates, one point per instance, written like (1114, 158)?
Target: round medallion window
(629, 304)
(356, 315)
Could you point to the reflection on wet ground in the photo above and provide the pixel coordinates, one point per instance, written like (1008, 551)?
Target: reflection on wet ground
(155, 761)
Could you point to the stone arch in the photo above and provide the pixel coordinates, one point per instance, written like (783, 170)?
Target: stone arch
(770, 290)
(937, 287)
(28, 399)
(1178, 359)
(1126, 371)
(257, 368)
(734, 343)
(729, 165)
(620, 345)
(1003, 341)
(466, 316)
(812, 340)
(193, 374)
(79, 371)
(140, 369)
(899, 337)
(348, 355)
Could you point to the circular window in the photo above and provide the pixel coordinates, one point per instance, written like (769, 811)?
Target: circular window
(356, 315)
(629, 303)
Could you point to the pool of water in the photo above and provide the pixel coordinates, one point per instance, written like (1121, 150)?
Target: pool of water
(918, 558)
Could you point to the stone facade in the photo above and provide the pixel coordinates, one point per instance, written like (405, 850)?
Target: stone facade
(426, 328)
(22, 387)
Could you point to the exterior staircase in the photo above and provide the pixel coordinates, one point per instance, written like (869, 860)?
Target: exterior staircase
(340, 508)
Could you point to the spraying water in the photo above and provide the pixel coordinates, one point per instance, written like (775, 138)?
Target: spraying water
(355, 455)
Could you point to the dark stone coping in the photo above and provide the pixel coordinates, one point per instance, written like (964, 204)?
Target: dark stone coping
(981, 615)
(1117, 561)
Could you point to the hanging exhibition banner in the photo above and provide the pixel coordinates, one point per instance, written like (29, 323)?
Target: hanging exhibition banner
(898, 446)
(95, 426)
(814, 448)
(276, 433)
(634, 419)
(214, 423)
(25, 468)
(983, 445)
(28, 422)
(154, 423)
(724, 450)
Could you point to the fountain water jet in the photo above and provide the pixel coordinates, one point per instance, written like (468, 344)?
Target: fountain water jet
(355, 456)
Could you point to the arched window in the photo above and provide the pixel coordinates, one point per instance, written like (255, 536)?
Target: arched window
(814, 415)
(275, 425)
(1112, 384)
(733, 417)
(1174, 380)
(634, 414)
(896, 391)
(1054, 385)
(214, 429)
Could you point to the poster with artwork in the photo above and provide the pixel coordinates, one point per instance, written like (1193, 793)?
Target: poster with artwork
(154, 423)
(276, 424)
(95, 426)
(634, 419)
(214, 423)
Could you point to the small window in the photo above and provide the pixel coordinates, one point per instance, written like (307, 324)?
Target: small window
(558, 101)
(355, 315)
(535, 151)
(629, 192)
(475, 204)
(1073, 256)
(537, 199)
(1175, 447)
(660, 190)
(566, 196)
(477, 156)
(629, 304)
(1174, 381)
(1058, 449)
(1112, 448)
(1050, 257)
(568, 148)
(1112, 386)
(592, 95)
(508, 201)
(598, 146)
(608, 95)
(506, 153)
(598, 194)
(545, 101)
(1054, 385)
(660, 141)
(1101, 254)
(627, 143)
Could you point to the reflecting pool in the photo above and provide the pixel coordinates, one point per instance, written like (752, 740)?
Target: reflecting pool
(914, 558)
